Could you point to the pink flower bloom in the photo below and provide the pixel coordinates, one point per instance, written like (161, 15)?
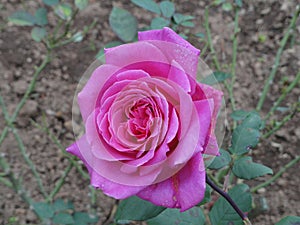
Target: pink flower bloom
(148, 122)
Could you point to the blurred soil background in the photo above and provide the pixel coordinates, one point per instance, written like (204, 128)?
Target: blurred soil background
(262, 24)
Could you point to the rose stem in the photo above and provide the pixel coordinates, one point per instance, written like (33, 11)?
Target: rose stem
(228, 198)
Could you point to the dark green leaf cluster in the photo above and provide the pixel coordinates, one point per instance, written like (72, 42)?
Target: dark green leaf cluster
(156, 215)
(124, 24)
(39, 20)
(227, 5)
(61, 212)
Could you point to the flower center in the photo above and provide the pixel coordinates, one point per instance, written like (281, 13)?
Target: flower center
(141, 119)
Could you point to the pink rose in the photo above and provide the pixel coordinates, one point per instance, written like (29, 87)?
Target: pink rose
(148, 122)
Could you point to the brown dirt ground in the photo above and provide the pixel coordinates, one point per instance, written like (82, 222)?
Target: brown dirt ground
(56, 85)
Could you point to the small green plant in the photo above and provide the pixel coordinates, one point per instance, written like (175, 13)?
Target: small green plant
(61, 34)
(61, 212)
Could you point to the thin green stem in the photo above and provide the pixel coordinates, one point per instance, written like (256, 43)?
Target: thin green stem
(6, 182)
(21, 146)
(16, 184)
(277, 60)
(283, 95)
(56, 141)
(234, 55)
(31, 86)
(209, 40)
(277, 175)
(59, 183)
(280, 124)
(3, 135)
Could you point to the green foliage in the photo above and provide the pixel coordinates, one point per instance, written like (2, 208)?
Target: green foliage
(215, 77)
(149, 5)
(220, 161)
(38, 33)
(63, 218)
(239, 3)
(167, 8)
(239, 115)
(222, 212)
(82, 218)
(159, 23)
(123, 23)
(43, 210)
(245, 168)
(81, 4)
(127, 210)
(226, 6)
(289, 220)
(22, 18)
(41, 17)
(174, 216)
(64, 11)
(61, 212)
(246, 135)
(50, 2)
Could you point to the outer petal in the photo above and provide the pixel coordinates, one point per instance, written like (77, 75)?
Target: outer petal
(110, 188)
(184, 190)
(87, 98)
(178, 75)
(167, 34)
(125, 55)
(173, 47)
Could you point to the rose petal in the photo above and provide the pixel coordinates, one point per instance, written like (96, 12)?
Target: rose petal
(167, 34)
(110, 188)
(184, 190)
(178, 75)
(87, 98)
(138, 52)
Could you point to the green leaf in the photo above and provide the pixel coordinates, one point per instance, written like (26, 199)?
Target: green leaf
(81, 4)
(51, 2)
(207, 196)
(239, 3)
(215, 78)
(245, 168)
(179, 18)
(289, 220)
(38, 33)
(123, 23)
(149, 5)
(82, 218)
(127, 209)
(44, 210)
(200, 35)
(22, 18)
(64, 11)
(222, 212)
(218, 2)
(188, 24)
(108, 45)
(60, 205)
(41, 16)
(227, 6)
(77, 37)
(239, 115)
(167, 8)
(220, 161)
(246, 135)
(174, 216)
(159, 23)
(63, 218)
